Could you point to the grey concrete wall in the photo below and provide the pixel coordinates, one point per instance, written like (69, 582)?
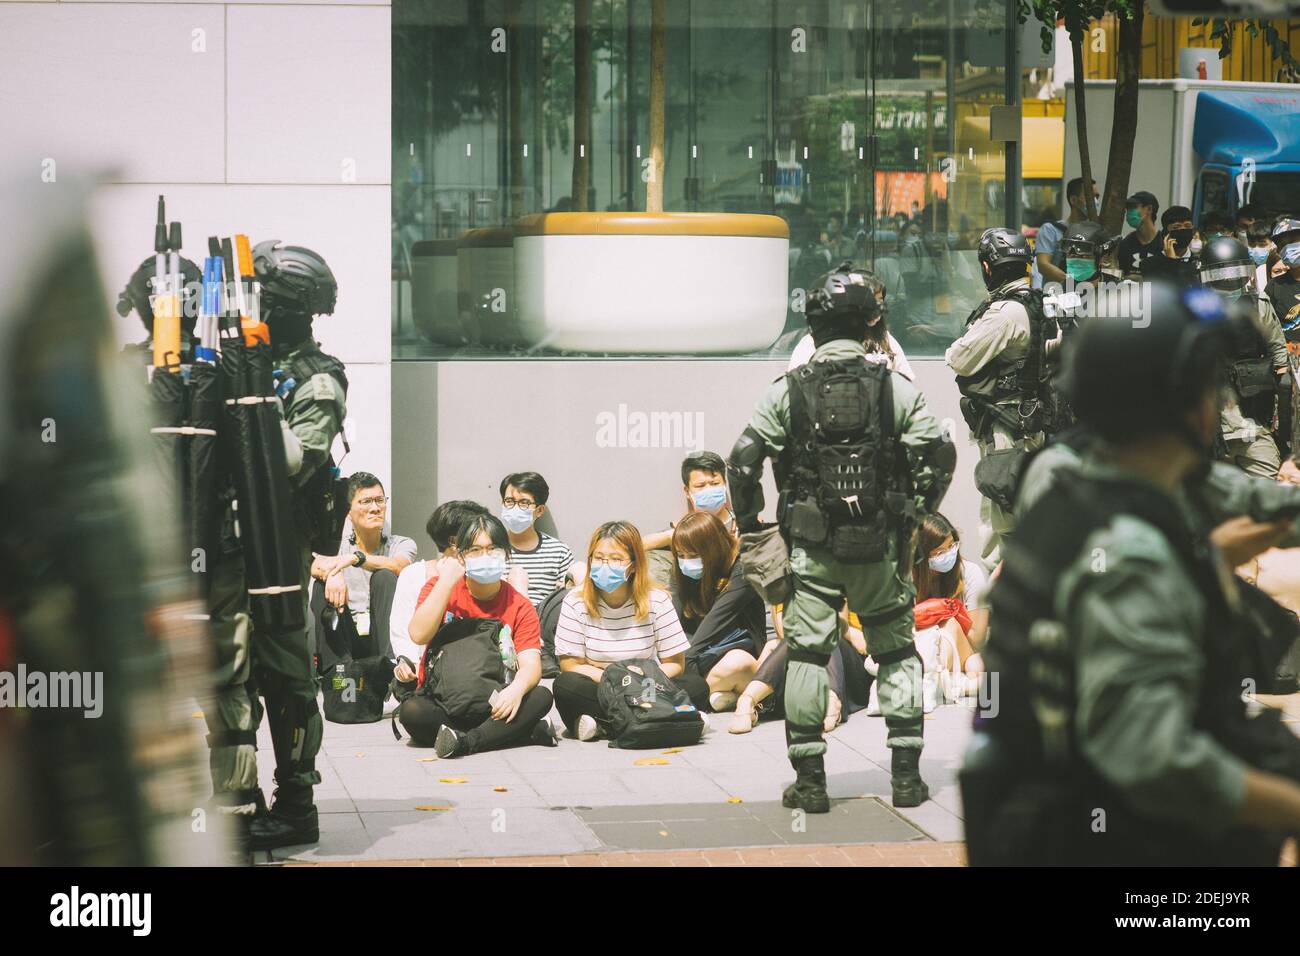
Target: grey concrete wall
(459, 427)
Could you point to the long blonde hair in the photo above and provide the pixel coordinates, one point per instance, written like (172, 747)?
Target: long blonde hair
(627, 537)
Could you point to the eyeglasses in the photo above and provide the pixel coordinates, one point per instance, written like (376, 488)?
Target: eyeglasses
(482, 551)
(366, 503)
(518, 503)
(611, 562)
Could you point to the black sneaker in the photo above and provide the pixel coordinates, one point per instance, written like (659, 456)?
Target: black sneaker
(448, 743)
(281, 828)
(544, 734)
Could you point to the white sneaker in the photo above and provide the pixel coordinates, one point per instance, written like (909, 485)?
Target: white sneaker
(722, 700)
(873, 702)
(588, 729)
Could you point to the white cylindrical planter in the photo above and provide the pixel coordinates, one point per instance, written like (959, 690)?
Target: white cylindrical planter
(663, 283)
(433, 291)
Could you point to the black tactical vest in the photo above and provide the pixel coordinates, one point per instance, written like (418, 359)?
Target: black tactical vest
(320, 499)
(843, 476)
(1024, 385)
(1030, 795)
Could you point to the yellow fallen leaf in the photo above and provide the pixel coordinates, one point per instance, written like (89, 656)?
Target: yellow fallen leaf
(433, 808)
(734, 800)
(198, 714)
(359, 754)
(650, 762)
(426, 759)
(663, 832)
(500, 790)
(451, 780)
(674, 750)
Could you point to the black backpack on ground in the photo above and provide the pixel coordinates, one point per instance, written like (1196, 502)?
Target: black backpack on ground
(645, 709)
(354, 691)
(548, 613)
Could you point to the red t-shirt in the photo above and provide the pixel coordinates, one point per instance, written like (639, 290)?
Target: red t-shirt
(509, 607)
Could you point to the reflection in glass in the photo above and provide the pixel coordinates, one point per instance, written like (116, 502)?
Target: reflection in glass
(863, 125)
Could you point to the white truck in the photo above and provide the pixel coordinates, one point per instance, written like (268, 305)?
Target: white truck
(1210, 145)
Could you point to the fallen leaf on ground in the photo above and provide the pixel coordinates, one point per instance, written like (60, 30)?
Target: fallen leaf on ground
(734, 800)
(360, 755)
(650, 762)
(433, 808)
(500, 790)
(674, 750)
(451, 779)
(426, 759)
(198, 714)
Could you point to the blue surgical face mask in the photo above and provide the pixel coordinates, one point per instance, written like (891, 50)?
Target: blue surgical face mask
(485, 568)
(1080, 270)
(608, 578)
(693, 568)
(1259, 255)
(1290, 253)
(517, 519)
(945, 562)
(711, 498)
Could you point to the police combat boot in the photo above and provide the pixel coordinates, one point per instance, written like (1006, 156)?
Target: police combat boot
(292, 820)
(905, 769)
(808, 792)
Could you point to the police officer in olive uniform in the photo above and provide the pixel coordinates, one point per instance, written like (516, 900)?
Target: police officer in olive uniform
(296, 285)
(1258, 369)
(856, 454)
(1117, 733)
(1001, 362)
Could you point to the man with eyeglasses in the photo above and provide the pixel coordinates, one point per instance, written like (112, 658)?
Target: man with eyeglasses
(359, 582)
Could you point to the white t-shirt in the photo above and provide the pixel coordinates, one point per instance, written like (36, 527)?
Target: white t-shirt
(409, 582)
(616, 635)
(805, 348)
(977, 584)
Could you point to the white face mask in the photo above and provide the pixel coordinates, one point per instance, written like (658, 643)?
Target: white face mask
(1194, 246)
(945, 561)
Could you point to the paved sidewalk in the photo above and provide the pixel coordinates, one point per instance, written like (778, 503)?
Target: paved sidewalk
(386, 800)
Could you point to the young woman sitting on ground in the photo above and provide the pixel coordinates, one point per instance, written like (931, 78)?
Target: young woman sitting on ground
(950, 595)
(720, 612)
(617, 614)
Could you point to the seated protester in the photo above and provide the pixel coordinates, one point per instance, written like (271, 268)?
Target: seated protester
(1179, 245)
(618, 614)
(951, 595)
(470, 585)
(723, 616)
(361, 580)
(704, 480)
(441, 529)
(543, 562)
(881, 345)
(850, 684)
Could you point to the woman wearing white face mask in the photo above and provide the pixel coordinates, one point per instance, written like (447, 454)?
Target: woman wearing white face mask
(950, 595)
(471, 585)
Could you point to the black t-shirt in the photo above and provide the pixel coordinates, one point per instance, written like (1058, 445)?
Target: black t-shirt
(1132, 252)
(737, 607)
(1284, 293)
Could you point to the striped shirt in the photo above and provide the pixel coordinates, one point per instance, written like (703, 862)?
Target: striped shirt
(547, 564)
(616, 635)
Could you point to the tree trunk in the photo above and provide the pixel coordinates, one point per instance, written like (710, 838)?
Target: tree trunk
(1085, 163)
(581, 103)
(654, 189)
(1128, 68)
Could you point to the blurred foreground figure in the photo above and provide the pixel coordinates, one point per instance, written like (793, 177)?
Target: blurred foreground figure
(101, 648)
(1112, 727)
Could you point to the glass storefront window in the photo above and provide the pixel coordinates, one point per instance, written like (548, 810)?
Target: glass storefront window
(862, 125)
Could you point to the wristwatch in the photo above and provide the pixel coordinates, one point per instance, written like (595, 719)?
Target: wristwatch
(359, 557)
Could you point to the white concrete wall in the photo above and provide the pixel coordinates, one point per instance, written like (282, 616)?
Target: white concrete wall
(267, 119)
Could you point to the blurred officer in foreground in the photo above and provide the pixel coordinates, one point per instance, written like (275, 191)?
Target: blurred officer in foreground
(96, 596)
(1113, 729)
(858, 457)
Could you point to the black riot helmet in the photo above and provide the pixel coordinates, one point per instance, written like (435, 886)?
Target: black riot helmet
(1004, 255)
(1083, 241)
(1145, 360)
(140, 286)
(294, 279)
(1286, 230)
(1226, 266)
(842, 304)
